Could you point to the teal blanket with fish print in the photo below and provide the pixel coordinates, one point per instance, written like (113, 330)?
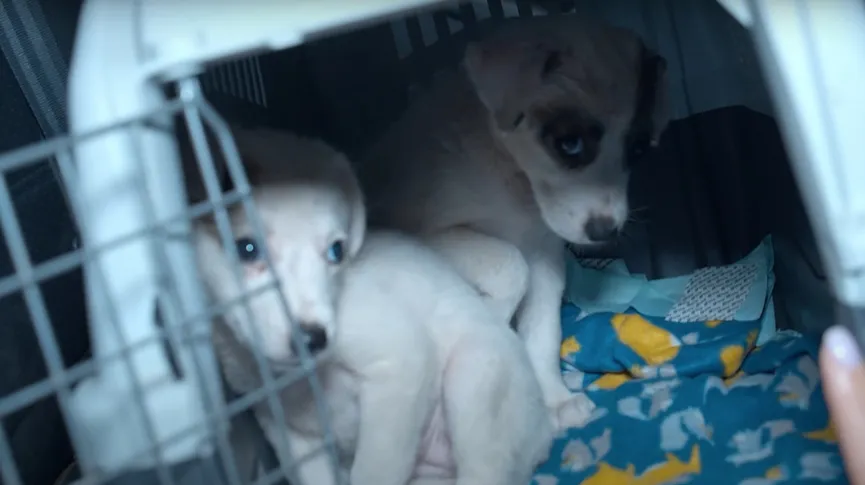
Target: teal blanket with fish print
(692, 386)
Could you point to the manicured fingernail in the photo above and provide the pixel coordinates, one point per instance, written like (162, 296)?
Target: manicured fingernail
(840, 343)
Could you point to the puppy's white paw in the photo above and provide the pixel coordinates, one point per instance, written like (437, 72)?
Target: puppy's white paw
(574, 411)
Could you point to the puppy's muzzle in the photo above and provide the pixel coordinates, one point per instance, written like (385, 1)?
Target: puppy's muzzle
(601, 229)
(314, 337)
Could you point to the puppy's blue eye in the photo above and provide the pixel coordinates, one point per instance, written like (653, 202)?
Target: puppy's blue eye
(336, 252)
(570, 146)
(247, 250)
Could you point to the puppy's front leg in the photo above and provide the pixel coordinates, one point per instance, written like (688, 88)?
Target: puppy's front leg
(539, 324)
(394, 406)
(495, 267)
(397, 369)
(307, 453)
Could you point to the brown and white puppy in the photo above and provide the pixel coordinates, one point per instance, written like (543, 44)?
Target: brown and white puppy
(530, 144)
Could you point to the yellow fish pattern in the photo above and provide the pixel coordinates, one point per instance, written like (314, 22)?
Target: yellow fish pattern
(733, 378)
(731, 358)
(668, 471)
(652, 343)
(691, 403)
(569, 346)
(611, 381)
(826, 434)
(733, 355)
(774, 473)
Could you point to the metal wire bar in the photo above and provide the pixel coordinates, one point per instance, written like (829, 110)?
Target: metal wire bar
(220, 416)
(232, 410)
(69, 174)
(213, 401)
(262, 90)
(443, 30)
(36, 306)
(497, 11)
(190, 90)
(238, 175)
(28, 280)
(28, 395)
(34, 392)
(276, 475)
(8, 470)
(524, 8)
(48, 148)
(224, 79)
(240, 405)
(61, 264)
(244, 75)
(249, 76)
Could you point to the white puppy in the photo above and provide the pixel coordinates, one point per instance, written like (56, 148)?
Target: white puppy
(531, 143)
(421, 382)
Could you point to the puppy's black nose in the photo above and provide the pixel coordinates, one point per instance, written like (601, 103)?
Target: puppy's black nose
(601, 229)
(314, 336)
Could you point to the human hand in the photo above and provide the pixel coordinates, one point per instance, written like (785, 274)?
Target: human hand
(843, 373)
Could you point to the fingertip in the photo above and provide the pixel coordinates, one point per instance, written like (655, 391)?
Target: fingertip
(841, 347)
(844, 385)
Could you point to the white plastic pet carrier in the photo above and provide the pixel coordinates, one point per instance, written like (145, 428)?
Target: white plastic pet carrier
(142, 400)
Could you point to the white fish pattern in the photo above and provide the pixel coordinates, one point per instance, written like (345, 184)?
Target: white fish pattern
(655, 398)
(754, 444)
(819, 466)
(574, 379)
(691, 338)
(781, 477)
(763, 381)
(578, 456)
(796, 388)
(546, 480)
(678, 428)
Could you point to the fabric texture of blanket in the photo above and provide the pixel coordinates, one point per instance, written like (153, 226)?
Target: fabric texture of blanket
(690, 400)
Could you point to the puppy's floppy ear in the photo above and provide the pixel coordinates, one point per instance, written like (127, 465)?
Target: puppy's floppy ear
(350, 186)
(195, 188)
(502, 71)
(653, 79)
(357, 229)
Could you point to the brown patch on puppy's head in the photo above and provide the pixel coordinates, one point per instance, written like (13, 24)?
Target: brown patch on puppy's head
(576, 104)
